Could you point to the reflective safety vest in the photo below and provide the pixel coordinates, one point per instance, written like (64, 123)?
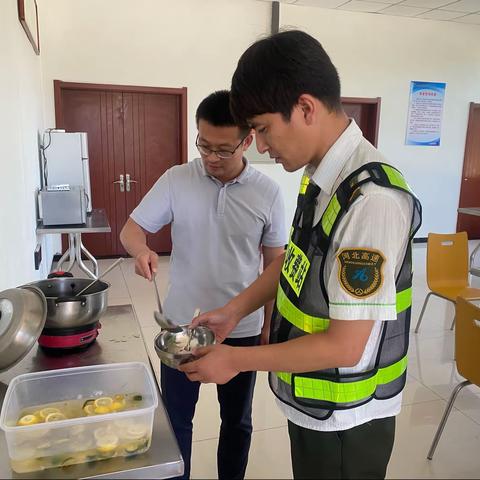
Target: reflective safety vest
(302, 305)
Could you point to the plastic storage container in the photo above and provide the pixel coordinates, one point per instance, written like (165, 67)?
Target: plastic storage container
(85, 439)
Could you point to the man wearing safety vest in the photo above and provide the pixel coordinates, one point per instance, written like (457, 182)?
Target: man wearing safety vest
(339, 334)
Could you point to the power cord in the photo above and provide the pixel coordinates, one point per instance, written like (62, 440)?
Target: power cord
(43, 147)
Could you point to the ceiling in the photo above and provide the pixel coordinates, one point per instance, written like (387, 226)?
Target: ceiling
(463, 11)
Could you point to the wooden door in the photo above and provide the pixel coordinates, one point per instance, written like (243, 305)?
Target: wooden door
(470, 186)
(140, 131)
(366, 112)
(153, 144)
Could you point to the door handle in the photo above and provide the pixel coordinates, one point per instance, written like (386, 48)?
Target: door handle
(121, 182)
(129, 181)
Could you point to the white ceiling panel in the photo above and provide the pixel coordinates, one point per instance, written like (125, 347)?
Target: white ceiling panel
(466, 6)
(404, 11)
(321, 3)
(426, 3)
(390, 2)
(361, 6)
(464, 11)
(440, 15)
(473, 19)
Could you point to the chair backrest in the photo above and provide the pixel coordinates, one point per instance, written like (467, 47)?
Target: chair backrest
(447, 260)
(467, 340)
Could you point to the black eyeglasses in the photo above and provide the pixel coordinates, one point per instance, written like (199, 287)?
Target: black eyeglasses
(223, 154)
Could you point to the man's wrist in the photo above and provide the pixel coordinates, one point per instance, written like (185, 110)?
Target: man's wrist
(141, 251)
(238, 358)
(234, 311)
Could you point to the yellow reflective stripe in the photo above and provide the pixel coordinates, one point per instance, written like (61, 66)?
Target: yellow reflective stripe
(304, 184)
(296, 317)
(396, 178)
(286, 377)
(329, 391)
(311, 324)
(404, 300)
(330, 215)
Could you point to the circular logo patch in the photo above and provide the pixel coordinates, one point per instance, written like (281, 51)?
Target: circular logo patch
(360, 271)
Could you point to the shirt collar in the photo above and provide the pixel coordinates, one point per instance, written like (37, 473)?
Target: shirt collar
(242, 178)
(332, 164)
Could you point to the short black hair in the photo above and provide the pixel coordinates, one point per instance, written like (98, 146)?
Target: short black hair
(274, 71)
(215, 109)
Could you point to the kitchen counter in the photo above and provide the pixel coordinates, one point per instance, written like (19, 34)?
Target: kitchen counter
(119, 340)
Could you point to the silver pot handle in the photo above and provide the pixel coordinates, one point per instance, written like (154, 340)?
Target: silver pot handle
(81, 299)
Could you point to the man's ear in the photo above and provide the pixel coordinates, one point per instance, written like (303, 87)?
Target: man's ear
(248, 141)
(306, 103)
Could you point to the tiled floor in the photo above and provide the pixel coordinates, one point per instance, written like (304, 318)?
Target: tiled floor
(432, 376)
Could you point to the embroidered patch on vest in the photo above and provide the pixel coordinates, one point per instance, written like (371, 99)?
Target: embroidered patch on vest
(360, 271)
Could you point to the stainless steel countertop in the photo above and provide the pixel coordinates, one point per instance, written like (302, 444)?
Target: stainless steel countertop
(119, 340)
(97, 222)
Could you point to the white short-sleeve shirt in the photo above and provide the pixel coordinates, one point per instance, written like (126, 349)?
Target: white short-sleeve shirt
(217, 234)
(378, 220)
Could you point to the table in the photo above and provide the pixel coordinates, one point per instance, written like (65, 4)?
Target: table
(120, 340)
(476, 212)
(97, 222)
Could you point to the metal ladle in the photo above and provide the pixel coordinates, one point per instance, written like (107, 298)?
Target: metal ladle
(160, 318)
(111, 267)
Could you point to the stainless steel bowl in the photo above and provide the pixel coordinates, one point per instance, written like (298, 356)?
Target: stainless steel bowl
(170, 345)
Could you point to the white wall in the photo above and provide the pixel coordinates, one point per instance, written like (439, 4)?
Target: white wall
(378, 56)
(184, 43)
(197, 43)
(160, 43)
(21, 120)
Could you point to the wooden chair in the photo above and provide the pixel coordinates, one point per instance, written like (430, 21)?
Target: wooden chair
(447, 270)
(467, 348)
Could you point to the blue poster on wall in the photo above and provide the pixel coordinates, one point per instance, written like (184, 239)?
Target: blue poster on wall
(425, 113)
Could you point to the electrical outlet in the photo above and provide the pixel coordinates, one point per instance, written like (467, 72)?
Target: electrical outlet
(37, 256)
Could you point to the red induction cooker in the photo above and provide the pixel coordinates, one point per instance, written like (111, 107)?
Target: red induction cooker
(68, 339)
(58, 340)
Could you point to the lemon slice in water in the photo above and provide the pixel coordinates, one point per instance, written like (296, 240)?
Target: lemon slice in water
(45, 412)
(89, 409)
(55, 417)
(28, 420)
(107, 443)
(103, 402)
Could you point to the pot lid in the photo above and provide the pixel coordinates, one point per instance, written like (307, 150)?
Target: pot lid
(23, 312)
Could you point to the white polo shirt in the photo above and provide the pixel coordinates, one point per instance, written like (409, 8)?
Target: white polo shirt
(379, 219)
(217, 234)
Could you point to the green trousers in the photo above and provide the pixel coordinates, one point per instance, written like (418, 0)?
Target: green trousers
(360, 452)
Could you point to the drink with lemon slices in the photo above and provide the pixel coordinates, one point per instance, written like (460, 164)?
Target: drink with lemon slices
(57, 418)
(114, 439)
(77, 408)
(122, 437)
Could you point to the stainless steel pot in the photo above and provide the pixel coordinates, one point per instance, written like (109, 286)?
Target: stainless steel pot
(64, 309)
(22, 318)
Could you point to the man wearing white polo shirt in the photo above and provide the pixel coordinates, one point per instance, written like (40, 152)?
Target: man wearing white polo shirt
(225, 216)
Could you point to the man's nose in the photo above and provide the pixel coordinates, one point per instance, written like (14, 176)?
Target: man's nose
(262, 146)
(213, 157)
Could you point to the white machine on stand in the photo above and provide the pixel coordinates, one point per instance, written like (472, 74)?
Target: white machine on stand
(65, 161)
(65, 171)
